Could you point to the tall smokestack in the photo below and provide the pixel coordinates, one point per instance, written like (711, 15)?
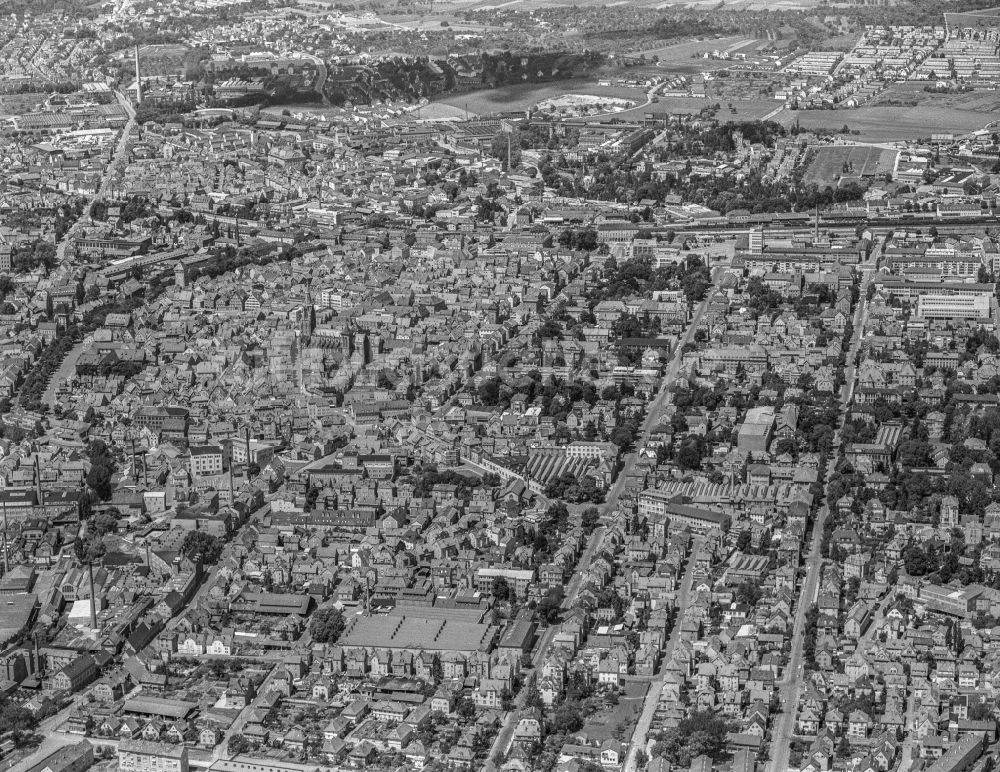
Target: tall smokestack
(93, 602)
(6, 567)
(138, 78)
(38, 482)
(247, 439)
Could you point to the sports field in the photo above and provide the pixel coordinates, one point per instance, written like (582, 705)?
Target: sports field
(830, 164)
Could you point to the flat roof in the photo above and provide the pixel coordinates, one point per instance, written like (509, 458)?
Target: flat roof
(411, 632)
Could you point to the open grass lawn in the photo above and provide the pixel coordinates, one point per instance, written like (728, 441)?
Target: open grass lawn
(609, 722)
(886, 124)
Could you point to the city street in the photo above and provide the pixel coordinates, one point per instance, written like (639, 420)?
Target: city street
(794, 676)
(501, 745)
(640, 737)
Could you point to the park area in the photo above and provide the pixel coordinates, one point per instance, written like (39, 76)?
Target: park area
(840, 162)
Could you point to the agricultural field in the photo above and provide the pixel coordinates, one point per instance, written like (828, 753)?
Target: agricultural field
(833, 164)
(888, 124)
(974, 101)
(978, 106)
(729, 109)
(527, 5)
(684, 52)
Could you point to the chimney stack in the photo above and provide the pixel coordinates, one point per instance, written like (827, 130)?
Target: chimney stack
(38, 482)
(138, 78)
(93, 601)
(6, 567)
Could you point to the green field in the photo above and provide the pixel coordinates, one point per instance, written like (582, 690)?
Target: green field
(683, 52)
(610, 722)
(886, 124)
(523, 96)
(827, 166)
(527, 5)
(729, 110)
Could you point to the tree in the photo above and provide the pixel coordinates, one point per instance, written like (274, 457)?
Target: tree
(489, 392)
(102, 466)
(466, 709)
(590, 520)
(785, 445)
(749, 593)
(914, 453)
(327, 624)
(103, 523)
(700, 733)
(690, 453)
(568, 717)
(16, 719)
(206, 545)
(500, 589)
(624, 436)
(90, 549)
(533, 698)
(549, 606)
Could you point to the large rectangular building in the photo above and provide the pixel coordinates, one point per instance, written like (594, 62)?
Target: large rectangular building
(143, 756)
(755, 431)
(667, 515)
(908, 290)
(418, 633)
(960, 756)
(254, 764)
(949, 305)
(959, 602)
(71, 758)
